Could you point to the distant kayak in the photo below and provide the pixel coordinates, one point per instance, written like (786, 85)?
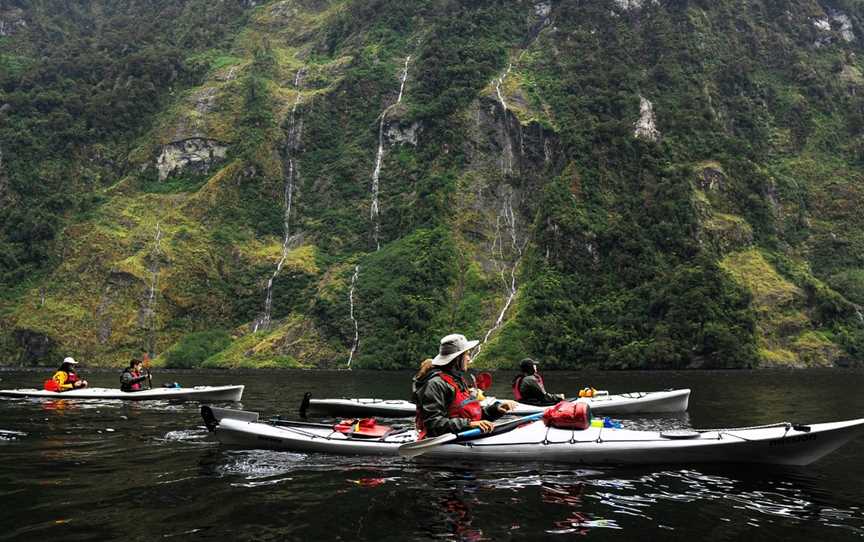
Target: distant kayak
(647, 402)
(780, 443)
(199, 393)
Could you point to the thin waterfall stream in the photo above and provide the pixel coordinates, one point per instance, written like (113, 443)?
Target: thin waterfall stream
(295, 130)
(507, 150)
(356, 341)
(507, 267)
(150, 313)
(374, 211)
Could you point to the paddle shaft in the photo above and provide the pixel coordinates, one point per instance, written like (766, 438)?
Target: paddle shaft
(418, 447)
(498, 427)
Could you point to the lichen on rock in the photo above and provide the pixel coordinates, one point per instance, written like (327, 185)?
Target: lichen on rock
(197, 155)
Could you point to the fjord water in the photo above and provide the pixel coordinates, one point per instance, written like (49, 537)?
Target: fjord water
(145, 471)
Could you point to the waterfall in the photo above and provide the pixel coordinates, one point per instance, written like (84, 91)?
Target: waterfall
(351, 314)
(507, 151)
(506, 269)
(295, 130)
(374, 211)
(150, 313)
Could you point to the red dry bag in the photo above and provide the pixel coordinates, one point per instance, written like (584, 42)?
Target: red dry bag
(51, 385)
(567, 415)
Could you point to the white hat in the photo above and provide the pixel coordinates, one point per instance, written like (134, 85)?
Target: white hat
(451, 346)
(70, 361)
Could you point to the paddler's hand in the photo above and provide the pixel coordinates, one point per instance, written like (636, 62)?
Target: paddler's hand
(484, 425)
(506, 406)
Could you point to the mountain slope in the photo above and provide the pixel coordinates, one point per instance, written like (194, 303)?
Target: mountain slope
(628, 184)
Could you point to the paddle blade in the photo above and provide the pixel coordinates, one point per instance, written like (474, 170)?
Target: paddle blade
(413, 449)
(484, 381)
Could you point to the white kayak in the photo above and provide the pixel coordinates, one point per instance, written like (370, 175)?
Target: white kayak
(642, 402)
(781, 443)
(199, 393)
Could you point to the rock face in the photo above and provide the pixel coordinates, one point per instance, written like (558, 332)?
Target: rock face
(397, 133)
(628, 5)
(834, 22)
(196, 155)
(646, 126)
(11, 22)
(34, 346)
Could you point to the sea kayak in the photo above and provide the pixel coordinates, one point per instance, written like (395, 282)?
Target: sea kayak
(646, 402)
(780, 443)
(196, 393)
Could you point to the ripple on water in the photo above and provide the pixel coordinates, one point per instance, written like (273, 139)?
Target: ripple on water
(258, 464)
(193, 436)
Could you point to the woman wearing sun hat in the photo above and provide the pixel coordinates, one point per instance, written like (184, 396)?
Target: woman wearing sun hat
(443, 395)
(66, 378)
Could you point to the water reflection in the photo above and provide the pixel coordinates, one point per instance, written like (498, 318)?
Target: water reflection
(161, 462)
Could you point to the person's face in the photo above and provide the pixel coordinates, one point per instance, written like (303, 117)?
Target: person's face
(466, 359)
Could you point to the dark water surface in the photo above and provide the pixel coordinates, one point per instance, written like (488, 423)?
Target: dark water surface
(149, 471)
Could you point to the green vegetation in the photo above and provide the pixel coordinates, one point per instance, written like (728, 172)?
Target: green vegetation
(732, 239)
(194, 349)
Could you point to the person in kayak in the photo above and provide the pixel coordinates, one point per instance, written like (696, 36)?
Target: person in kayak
(133, 376)
(66, 378)
(528, 386)
(445, 403)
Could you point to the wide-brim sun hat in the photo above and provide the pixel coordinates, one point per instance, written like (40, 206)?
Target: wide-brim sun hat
(452, 346)
(70, 361)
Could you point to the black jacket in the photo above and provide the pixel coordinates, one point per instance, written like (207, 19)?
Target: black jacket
(126, 379)
(433, 397)
(533, 392)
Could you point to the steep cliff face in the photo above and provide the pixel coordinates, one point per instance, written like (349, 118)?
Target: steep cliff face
(330, 183)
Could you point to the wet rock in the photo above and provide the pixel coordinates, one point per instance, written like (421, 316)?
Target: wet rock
(399, 133)
(646, 126)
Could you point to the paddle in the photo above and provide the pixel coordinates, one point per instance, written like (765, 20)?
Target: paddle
(413, 449)
(146, 363)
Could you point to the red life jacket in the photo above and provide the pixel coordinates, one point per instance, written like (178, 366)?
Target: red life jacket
(464, 405)
(517, 393)
(72, 378)
(137, 385)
